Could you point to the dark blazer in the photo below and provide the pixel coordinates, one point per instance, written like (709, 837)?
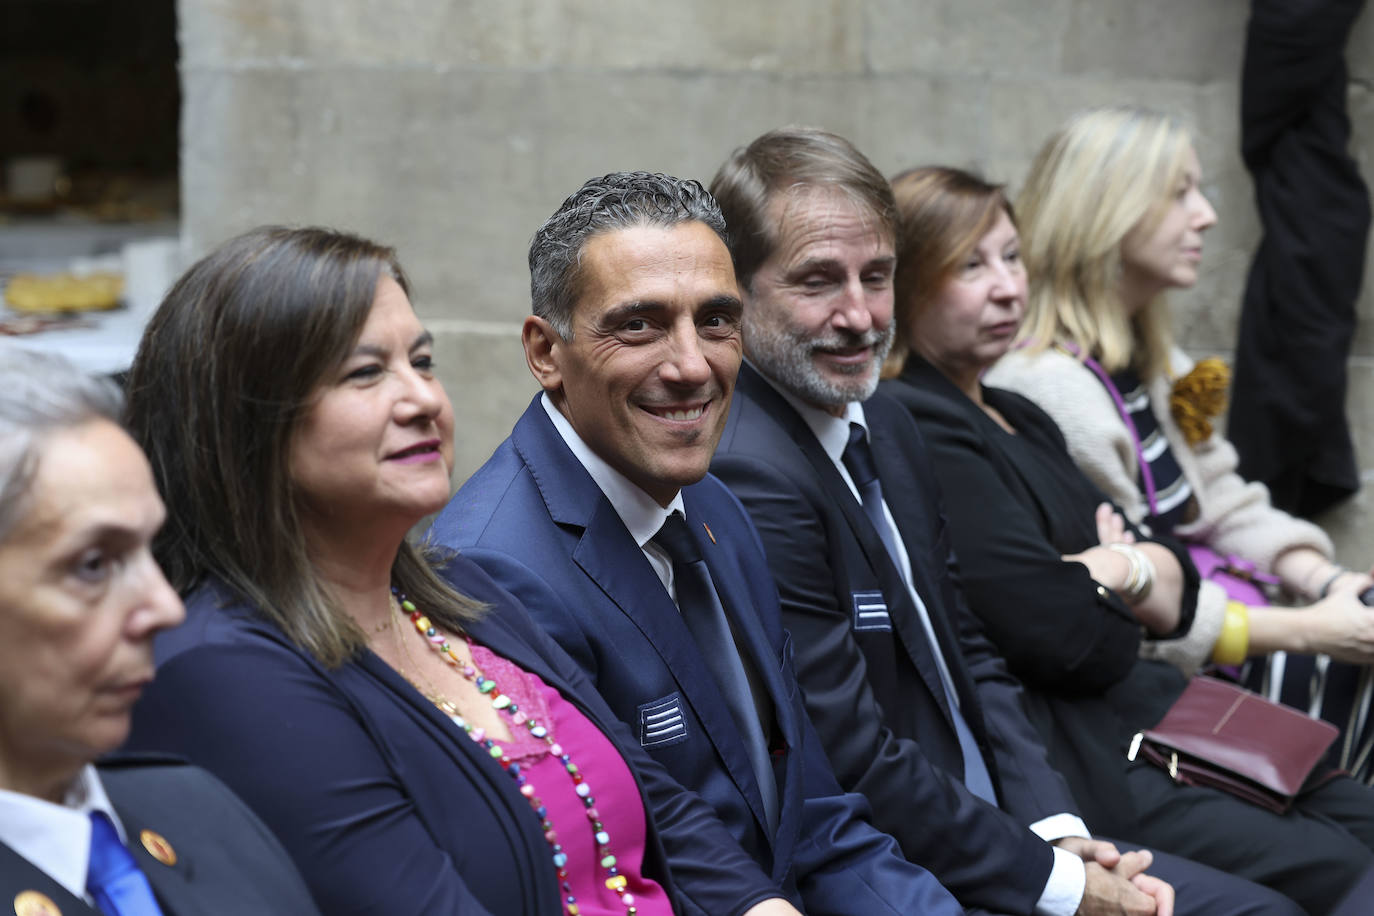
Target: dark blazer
(227, 862)
(384, 804)
(534, 518)
(871, 685)
(1020, 504)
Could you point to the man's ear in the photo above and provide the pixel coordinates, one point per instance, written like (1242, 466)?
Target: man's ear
(542, 344)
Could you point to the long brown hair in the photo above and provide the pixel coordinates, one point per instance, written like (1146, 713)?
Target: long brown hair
(225, 370)
(941, 214)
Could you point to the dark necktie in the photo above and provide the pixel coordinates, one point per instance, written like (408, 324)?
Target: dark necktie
(704, 615)
(112, 877)
(858, 459)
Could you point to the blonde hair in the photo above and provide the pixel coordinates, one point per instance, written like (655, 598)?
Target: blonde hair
(1107, 171)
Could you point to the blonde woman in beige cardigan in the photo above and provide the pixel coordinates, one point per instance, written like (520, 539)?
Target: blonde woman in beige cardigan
(1112, 216)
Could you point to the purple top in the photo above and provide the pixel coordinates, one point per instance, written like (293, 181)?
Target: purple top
(617, 799)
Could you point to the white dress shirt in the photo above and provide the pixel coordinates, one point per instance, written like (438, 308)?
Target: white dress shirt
(1068, 877)
(57, 838)
(637, 509)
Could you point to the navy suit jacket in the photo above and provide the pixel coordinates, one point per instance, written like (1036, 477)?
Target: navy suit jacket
(864, 660)
(385, 805)
(533, 517)
(226, 860)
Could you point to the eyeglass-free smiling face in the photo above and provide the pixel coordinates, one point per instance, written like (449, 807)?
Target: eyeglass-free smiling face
(647, 377)
(376, 444)
(819, 313)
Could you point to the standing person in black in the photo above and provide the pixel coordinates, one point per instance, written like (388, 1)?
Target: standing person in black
(913, 704)
(1046, 563)
(1287, 417)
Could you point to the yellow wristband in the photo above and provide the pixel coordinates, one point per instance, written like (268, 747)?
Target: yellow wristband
(1234, 641)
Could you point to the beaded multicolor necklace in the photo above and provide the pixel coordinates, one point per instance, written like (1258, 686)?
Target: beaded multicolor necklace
(507, 707)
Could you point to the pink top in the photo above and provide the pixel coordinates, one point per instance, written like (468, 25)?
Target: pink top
(617, 797)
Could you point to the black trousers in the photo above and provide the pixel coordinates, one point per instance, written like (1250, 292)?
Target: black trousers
(1313, 854)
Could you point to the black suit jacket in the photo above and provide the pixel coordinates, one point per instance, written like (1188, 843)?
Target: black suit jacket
(871, 682)
(227, 862)
(1018, 504)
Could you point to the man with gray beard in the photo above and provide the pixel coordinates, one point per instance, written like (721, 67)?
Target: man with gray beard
(914, 706)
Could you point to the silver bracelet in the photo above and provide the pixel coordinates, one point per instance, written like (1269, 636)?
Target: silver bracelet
(1141, 577)
(1326, 586)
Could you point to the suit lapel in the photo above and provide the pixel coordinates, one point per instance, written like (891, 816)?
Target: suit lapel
(901, 488)
(18, 875)
(884, 567)
(610, 557)
(750, 636)
(172, 877)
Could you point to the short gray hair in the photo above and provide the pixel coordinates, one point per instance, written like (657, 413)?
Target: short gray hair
(41, 393)
(619, 200)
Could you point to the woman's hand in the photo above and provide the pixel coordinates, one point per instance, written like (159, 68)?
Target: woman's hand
(1111, 527)
(1159, 610)
(1338, 625)
(1307, 571)
(1106, 566)
(1350, 582)
(1342, 627)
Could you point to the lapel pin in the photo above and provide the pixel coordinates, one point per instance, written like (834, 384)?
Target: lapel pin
(32, 903)
(158, 847)
(708, 532)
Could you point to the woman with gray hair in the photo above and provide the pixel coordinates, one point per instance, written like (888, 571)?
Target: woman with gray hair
(81, 599)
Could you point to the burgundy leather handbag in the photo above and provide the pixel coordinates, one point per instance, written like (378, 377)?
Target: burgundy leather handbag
(1223, 736)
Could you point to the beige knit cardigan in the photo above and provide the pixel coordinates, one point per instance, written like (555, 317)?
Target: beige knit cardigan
(1234, 517)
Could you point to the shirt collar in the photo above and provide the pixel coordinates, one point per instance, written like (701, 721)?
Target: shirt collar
(57, 838)
(642, 515)
(831, 431)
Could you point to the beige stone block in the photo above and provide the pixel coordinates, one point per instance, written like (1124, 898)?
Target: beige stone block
(483, 370)
(911, 120)
(1359, 51)
(1359, 406)
(1351, 527)
(1206, 318)
(458, 170)
(1019, 115)
(965, 37)
(804, 36)
(1164, 40)
(1351, 524)
(1361, 108)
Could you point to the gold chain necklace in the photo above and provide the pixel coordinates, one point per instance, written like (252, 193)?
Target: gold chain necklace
(430, 692)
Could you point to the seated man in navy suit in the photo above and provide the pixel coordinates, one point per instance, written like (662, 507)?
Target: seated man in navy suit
(81, 598)
(913, 704)
(595, 513)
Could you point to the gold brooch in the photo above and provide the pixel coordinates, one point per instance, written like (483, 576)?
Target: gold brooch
(158, 847)
(1199, 397)
(32, 903)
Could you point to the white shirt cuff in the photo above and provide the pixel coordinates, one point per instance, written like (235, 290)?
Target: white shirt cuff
(1064, 891)
(1068, 876)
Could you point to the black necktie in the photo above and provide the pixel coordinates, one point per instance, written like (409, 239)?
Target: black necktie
(858, 459)
(704, 615)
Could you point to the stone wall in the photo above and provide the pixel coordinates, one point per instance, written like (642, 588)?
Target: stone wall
(452, 128)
